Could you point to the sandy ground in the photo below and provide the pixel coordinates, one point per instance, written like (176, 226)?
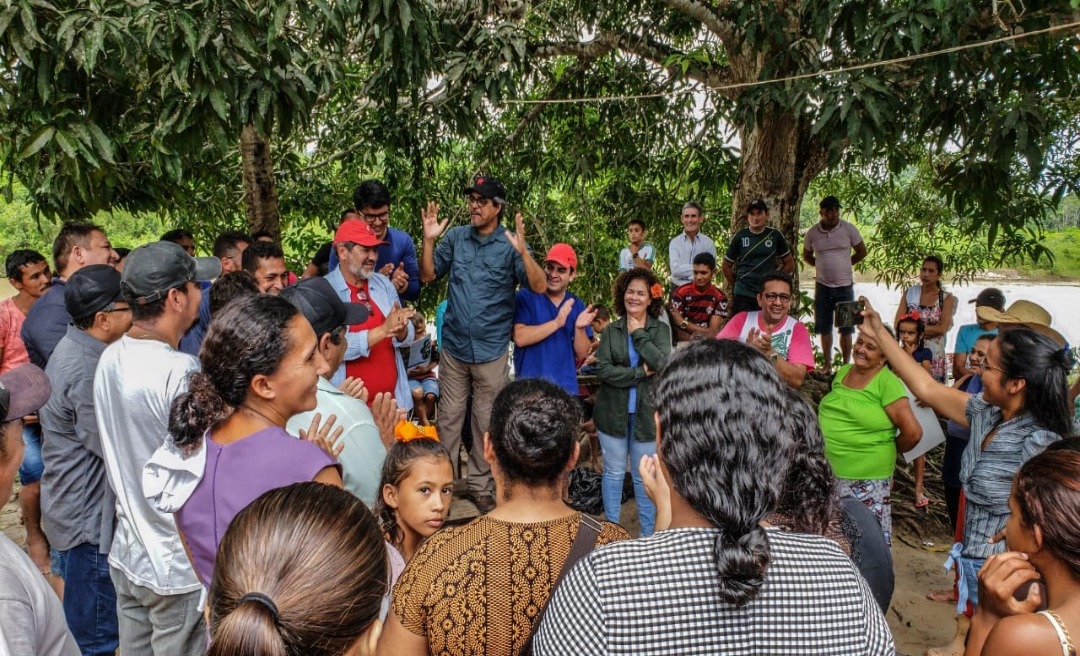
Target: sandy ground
(916, 622)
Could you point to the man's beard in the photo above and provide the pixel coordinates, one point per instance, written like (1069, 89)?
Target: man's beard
(360, 272)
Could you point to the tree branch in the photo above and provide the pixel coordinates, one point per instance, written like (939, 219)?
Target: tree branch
(638, 45)
(706, 14)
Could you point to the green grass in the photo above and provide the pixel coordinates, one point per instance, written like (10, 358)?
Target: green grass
(1065, 245)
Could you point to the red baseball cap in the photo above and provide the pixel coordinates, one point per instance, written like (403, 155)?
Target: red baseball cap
(562, 254)
(357, 232)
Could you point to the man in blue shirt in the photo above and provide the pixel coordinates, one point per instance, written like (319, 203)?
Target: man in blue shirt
(552, 330)
(485, 262)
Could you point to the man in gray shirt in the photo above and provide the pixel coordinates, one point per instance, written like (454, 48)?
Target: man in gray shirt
(77, 506)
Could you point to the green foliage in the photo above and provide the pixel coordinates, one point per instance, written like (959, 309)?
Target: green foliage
(118, 104)
(19, 230)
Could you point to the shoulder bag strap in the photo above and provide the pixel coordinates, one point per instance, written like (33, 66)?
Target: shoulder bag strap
(584, 542)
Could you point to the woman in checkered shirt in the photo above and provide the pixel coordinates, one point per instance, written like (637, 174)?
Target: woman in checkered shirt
(719, 580)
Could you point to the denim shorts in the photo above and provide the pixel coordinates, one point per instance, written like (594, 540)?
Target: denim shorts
(32, 466)
(429, 385)
(825, 300)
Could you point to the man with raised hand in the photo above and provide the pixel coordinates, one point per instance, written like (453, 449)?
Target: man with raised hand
(552, 331)
(485, 263)
(372, 354)
(773, 332)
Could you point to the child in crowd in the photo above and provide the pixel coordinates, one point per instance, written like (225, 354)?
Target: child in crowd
(588, 392)
(414, 493)
(421, 356)
(603, 318)
(910, 330)
(638, 254)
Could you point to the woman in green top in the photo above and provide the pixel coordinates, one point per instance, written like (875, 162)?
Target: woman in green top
(859, 418)
(632, 349)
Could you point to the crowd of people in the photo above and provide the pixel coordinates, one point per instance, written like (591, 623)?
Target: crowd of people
(218, 456)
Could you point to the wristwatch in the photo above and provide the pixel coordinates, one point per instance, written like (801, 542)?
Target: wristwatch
(774, 357)
(684, 324)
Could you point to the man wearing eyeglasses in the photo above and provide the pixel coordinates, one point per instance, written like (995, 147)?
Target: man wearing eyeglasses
(397, 253)
(485, 263)
(772, 331)
(78, 508)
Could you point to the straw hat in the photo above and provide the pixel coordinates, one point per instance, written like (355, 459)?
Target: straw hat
(1022, 313)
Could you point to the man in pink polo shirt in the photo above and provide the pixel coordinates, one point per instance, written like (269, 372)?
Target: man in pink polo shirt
(772, 331)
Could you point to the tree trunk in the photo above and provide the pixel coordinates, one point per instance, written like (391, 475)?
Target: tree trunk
(260, 193)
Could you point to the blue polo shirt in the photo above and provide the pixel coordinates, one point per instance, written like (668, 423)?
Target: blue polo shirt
(484, 274)
(398, 249)
(46, 324)
(552, 358)
(967, 335)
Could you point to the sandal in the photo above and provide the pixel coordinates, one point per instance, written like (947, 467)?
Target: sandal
(922, 502)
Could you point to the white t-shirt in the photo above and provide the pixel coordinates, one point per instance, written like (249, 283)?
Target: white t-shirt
(134, 387)
(31, 618)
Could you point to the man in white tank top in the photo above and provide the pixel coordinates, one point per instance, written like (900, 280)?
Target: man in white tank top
(772, 331)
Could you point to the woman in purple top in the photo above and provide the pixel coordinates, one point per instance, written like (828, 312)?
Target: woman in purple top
(260, 366)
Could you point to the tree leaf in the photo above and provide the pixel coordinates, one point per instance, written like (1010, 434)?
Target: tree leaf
(39, 140)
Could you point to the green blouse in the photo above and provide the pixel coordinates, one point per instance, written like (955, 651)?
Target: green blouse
(860, 439)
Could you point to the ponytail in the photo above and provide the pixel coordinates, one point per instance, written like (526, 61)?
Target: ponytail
(196, 411)
(301, 570)
(718, 402)
(251, 629)
(248, 338)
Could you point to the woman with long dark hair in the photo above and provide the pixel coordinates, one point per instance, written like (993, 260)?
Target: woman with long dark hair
(301, 570)
(1041, 568)
(1023, 408)
(228, 444)
(717, 579)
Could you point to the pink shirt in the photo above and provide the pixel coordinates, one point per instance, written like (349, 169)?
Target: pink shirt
(832, 252)
(790, 339)
(14, 351)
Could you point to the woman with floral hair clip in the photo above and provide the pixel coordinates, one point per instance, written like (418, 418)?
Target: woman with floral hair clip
(632, 349)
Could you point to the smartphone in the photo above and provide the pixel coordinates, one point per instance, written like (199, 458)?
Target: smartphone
(849, 314)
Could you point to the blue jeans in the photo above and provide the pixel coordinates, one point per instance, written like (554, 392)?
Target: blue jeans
(616, 450)
(89, 598)
(32, 466)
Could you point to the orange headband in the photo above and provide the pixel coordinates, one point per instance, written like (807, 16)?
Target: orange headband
(407, 431)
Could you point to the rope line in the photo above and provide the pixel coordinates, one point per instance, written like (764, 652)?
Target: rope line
(802, 76)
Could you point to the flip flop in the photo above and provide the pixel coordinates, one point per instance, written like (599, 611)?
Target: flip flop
(942, 595)
(922, 503)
